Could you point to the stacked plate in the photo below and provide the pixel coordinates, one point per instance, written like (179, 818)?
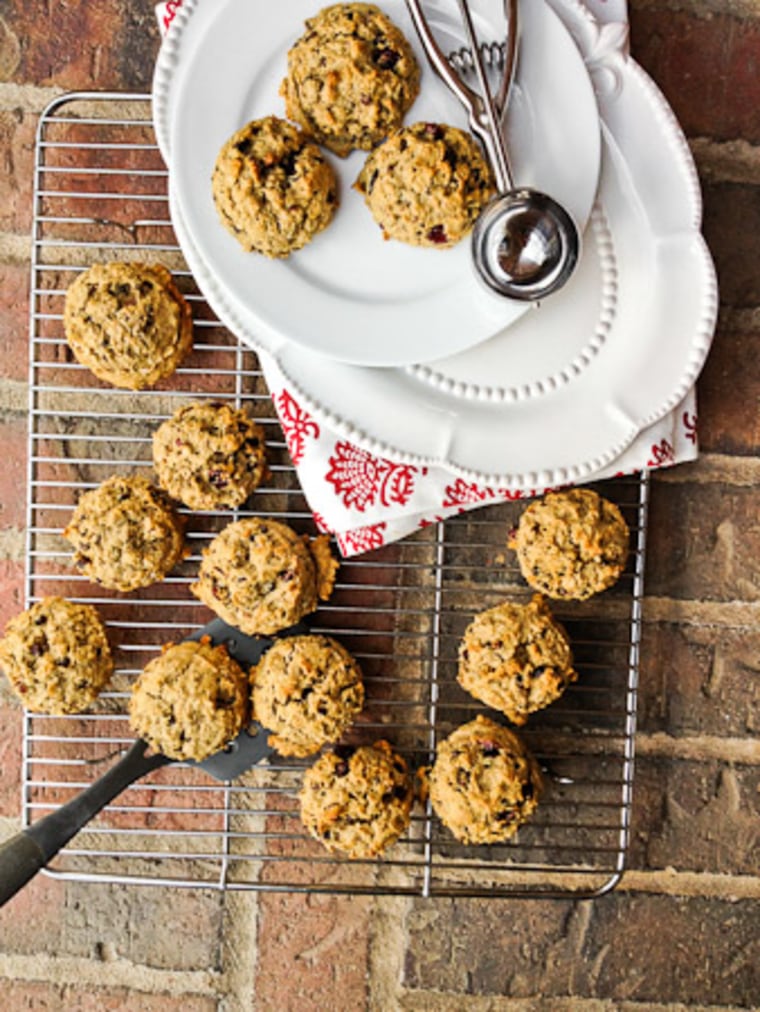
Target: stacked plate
(402, 350)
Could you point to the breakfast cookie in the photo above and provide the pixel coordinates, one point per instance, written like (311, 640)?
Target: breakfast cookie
(56, 656)
(571, 544)
(126, 533)
(307, 690)
(261, 577)
(484, 783)
(426, 185)
(516, 658)
(190, 701)
(209, 455)
(128, 323)
(352, 76)
(273, 188)
(357, 801)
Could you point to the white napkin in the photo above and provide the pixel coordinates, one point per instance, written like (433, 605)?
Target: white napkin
(368, 501)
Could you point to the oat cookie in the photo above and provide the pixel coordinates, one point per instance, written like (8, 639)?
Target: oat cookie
(209, 455)
(56, 656)
(516, 658)
(484, 783)
(190, 701)
(307, 690)
(126, 533)
(352, 76)
(571, 544)
(261, 577)
(426, 185)
(357, 801)
(128, 323)
(274, 190)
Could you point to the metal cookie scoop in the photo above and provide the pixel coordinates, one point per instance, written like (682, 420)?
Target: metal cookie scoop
(525, 245)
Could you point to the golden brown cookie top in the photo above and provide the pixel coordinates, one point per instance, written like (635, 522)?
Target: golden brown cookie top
(571, 544)
(56, 656)
(351, 78)
(128, 323)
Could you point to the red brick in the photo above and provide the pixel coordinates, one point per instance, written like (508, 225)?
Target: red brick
(17, 134)
(708, 68)
(704, 542)
(84, 46)
(10, 757)
(32, 921)
(728, 394)
(14, 317)
(625, 947)
(13, 440)
(313, 953)
(731, 227)
(31, 996)
(11, 590)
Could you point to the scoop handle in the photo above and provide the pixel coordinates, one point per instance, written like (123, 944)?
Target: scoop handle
(26, 853)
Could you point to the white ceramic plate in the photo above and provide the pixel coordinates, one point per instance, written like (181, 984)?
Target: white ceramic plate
(349, 294)
(623, 343)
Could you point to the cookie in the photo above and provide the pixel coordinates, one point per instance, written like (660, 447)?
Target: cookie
(516, 658)
(484, 783)
(571, 544)
(209, 455)
(426, 185)
(126, 533)
(307, 690)
(190, 701)
(56, 656)
(273, 188)
(357, 801)
(128, 323)
(351, 78)
(261, 577)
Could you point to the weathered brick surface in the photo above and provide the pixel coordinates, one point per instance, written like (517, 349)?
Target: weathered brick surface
(104, 46)
(704, 542)
(36, 997)
(731, 221)
(700, 680)
(13, 440)
(10, 756)
(312, 953)
(708, 67)
(33, 920)
(14, 314)
(644, 948)
(17, 132)
(728, 394)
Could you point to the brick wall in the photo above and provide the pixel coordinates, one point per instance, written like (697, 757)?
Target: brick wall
(682, 930)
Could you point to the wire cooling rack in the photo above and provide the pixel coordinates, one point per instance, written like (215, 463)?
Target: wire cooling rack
(100, 194)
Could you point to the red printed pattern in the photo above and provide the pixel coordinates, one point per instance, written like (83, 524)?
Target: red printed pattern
(361, 479)
(362, 539)
(690, 426)
(662, 454)
(170, 13)
(296, 423)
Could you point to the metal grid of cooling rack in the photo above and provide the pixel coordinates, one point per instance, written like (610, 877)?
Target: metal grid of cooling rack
(100, 194)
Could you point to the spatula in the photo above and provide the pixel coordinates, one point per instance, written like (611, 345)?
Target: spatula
(24, 854)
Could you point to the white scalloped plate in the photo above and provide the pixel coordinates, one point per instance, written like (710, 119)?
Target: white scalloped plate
(349, 294)
(628, 336)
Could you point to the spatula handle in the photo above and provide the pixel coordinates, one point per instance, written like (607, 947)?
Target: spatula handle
(24, 854)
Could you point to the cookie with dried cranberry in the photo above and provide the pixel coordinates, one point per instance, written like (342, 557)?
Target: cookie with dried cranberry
(358, 801)
(571, 544)
(484, 784)
(261, 577)
(56, 656)
(209, 455)
(516, 658)
(426, 185)
(352, 76)
(307, 690)
(273, 188)
(128, 323)
(190, 701)
(126, 533)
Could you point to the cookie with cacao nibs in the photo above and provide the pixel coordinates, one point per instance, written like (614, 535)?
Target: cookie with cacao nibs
(210, 455)
(352, 77)
(484, 783)
(516, 658)
(274, 190)
(56, 656)
(426, 185)
(357, 801)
